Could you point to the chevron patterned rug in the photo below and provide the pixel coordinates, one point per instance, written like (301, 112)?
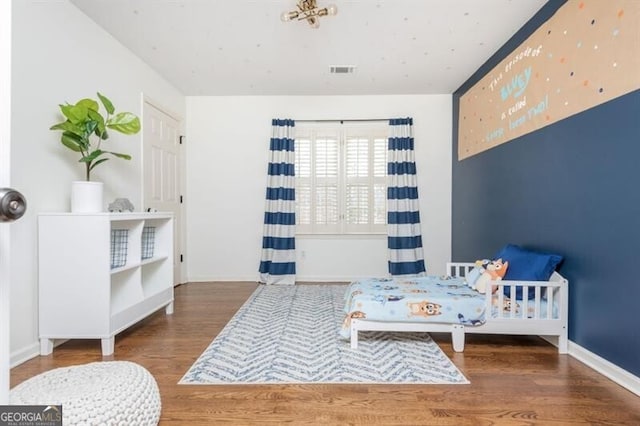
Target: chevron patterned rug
(289, 334)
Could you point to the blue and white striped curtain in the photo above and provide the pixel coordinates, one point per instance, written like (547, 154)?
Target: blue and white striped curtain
(403, 212)
(278, 263)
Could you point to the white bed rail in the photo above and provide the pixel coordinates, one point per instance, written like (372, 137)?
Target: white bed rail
(550, 291)
(542, 322)
(550, 321)
(459, 269)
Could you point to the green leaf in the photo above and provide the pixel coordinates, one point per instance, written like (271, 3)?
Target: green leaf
(123, 156)
(65, 109)
(70, 143)
(97, 162)
(107, 103)
(73, 141)
(97, 117)
(89, 158)
(90, 104)
(74, 113)
(68, 126)
(90, 126)
(124, 122)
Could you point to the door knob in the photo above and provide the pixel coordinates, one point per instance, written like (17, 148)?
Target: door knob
(12, 205)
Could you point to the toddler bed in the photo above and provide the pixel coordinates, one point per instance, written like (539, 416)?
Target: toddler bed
(448, 304)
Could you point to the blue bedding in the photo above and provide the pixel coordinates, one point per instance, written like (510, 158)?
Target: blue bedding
(519, 311)
(424, 299)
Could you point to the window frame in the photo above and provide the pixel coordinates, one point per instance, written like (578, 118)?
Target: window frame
(375, 132)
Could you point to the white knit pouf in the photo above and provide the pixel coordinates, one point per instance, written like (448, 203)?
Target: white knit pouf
(99, 393)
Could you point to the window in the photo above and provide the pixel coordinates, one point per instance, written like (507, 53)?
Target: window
(341, 178)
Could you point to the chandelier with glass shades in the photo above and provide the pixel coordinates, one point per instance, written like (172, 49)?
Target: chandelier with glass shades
(308, 10)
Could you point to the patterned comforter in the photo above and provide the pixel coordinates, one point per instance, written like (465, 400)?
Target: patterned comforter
(424, 299)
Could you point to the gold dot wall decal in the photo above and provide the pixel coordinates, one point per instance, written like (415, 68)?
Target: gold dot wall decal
(554, 74)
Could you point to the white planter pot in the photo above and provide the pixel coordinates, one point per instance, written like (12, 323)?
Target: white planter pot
(86, 197)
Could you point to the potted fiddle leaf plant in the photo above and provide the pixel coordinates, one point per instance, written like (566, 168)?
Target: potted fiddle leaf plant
(85, 132)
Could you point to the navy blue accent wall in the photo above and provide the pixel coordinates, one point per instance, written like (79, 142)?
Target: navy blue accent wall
(572, 188)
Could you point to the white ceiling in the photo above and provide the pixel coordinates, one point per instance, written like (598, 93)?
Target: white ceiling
(241, 47)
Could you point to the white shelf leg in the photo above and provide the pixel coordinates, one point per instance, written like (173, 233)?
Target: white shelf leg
(169, 309)
(457, 337)
(46, 347)
(108, 345)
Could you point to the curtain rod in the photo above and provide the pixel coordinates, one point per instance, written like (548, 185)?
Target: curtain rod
(342, 120)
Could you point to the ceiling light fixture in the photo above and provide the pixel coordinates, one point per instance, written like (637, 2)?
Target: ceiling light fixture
(308, 10)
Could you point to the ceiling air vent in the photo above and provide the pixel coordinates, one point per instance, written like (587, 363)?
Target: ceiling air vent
(342, 69)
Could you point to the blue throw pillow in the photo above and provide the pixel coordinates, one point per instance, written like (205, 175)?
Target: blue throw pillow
(527, 265)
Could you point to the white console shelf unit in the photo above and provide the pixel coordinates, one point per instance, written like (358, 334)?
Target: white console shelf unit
(80, 295)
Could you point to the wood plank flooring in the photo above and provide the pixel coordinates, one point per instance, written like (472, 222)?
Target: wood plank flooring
(514, 380)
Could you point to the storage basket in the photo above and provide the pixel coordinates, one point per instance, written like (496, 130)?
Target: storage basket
(148, 241)
(119, 238)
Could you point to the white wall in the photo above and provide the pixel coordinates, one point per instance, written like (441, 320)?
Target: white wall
(227, 151)
(61, 55)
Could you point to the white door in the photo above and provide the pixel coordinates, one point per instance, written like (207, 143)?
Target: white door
(5, 165)
(161, 166)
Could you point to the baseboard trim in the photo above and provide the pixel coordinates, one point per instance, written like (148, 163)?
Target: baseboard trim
(30, 352)
(24, 355)
(606, 368)
(206, 279)
(601, 365)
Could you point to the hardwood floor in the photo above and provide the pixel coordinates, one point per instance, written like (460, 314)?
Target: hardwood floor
(514, 380)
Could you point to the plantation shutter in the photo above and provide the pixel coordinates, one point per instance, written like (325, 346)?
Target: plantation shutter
(341, 179)
(380, 155)
(327, 208)
(303, 170)
(365, 182)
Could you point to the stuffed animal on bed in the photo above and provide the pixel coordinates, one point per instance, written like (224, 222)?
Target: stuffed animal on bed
(493, 271)
(473, 275)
